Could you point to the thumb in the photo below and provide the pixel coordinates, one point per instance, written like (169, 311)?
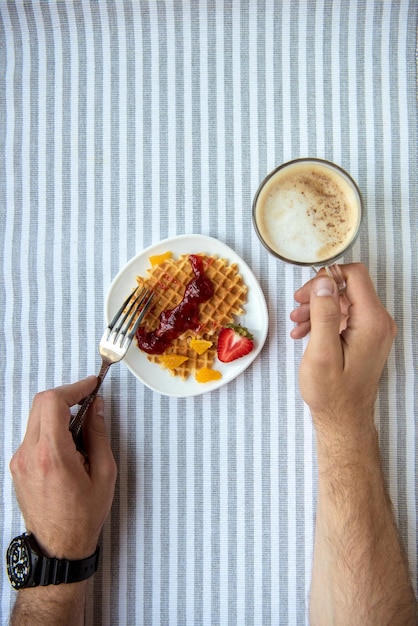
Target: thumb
(325, 342)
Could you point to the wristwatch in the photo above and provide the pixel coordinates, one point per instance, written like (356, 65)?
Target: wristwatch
(28, 567)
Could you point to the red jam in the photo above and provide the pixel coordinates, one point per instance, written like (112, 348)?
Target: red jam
(184, 316)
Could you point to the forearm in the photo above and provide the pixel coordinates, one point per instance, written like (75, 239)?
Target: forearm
(360, 573)
(49, 606)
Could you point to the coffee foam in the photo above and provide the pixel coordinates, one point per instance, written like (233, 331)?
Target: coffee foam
(308, 212)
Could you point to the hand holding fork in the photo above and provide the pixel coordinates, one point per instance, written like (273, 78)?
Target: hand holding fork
(113, 347)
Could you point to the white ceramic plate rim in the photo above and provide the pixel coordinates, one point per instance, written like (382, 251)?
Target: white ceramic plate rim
(255, 317)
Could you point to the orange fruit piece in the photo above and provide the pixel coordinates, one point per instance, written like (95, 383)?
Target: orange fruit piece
(156, 259)
(200, 345)
(206, 374)
(171, 361)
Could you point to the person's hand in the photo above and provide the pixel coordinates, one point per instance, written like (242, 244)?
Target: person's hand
(64, 500)
(341, 369)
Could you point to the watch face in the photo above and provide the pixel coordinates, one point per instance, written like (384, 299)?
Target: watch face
(18, 563)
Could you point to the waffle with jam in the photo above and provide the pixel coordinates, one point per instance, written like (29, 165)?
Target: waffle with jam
(168, 280)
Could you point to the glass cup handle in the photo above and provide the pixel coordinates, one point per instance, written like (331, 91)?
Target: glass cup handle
(334, 272)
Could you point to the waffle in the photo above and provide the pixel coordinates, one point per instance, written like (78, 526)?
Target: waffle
(169, 279)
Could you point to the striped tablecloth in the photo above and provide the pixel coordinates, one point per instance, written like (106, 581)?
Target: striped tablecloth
(123, 123)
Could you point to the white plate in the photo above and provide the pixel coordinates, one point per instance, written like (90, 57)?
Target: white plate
(255, 317)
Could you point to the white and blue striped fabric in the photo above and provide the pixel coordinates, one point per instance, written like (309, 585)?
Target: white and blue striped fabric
(126, 122)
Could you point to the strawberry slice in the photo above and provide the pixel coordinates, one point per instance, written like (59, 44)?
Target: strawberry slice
(234, 341)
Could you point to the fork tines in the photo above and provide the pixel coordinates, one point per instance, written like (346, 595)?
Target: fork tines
(126, 321)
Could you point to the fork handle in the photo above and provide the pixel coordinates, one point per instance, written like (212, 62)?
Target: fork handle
(76, 421)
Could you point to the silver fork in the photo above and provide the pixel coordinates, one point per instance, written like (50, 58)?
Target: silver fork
(113, 347)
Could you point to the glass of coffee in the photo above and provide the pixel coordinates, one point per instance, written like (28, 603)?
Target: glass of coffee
(309, 212)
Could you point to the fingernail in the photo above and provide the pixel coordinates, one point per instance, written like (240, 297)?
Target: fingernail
(99, 406)
(324, 286)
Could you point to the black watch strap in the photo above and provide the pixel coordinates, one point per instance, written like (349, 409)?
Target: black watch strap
(28, 567)
(54, 571)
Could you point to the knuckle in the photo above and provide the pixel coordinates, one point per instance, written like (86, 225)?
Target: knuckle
(386, 326)
(393, 327)
(17, 463)
(44, 398)
(46, 460)
(21, 463)
(112, 469)
(361, 268)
